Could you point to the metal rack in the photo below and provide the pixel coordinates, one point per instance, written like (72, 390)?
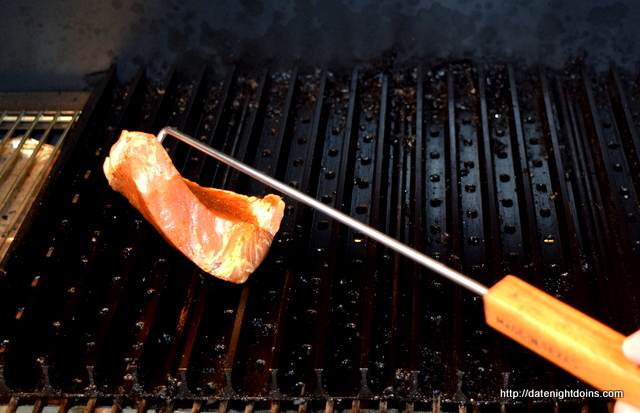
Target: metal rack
(29, 144)
(494, 169)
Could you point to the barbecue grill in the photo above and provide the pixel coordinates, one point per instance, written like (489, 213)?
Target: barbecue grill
(492, 168)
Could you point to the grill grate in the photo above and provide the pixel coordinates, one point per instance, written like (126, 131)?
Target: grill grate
(143, 405)
(491, 170)
(29, 145)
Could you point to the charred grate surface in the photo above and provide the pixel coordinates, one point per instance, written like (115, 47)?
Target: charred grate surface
(492, 170)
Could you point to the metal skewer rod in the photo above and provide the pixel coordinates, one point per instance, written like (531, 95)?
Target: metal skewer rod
(372, 233)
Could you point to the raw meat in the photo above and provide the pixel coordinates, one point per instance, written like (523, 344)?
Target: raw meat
(224, 233)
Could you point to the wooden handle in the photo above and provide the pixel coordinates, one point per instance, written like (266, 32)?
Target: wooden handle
(563, 335)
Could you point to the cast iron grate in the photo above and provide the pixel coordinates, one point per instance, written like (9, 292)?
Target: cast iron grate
(491, 169)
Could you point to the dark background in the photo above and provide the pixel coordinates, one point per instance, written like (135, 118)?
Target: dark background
(56, 45)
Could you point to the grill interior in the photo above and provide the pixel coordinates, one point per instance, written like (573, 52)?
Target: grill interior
(492, 169)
